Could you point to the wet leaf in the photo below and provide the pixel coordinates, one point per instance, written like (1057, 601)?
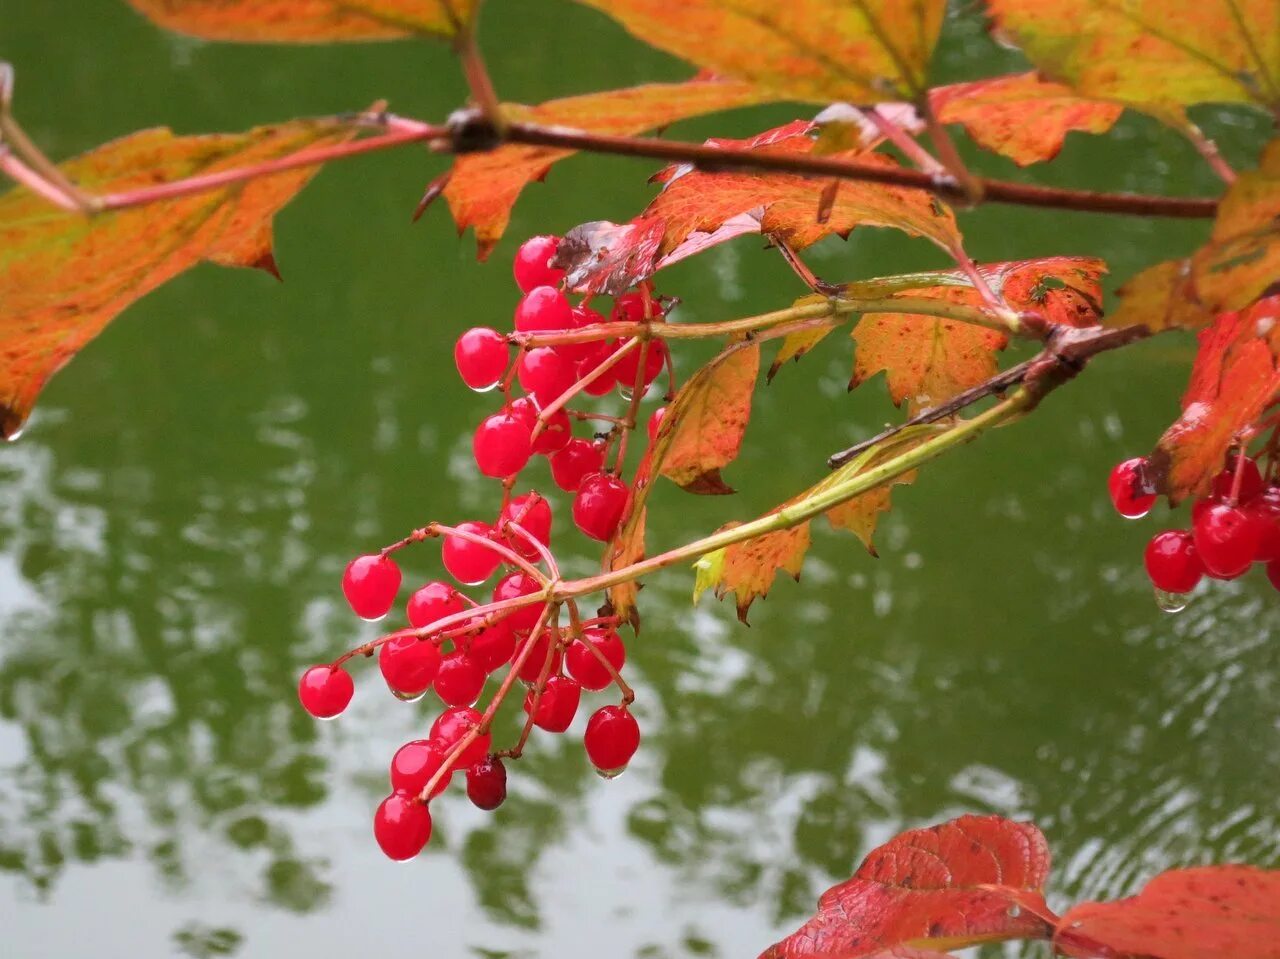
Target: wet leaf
(1021, 116)
(963, 882)
(814, 50)
(1235, 378)
(1161, 297)
(483, 187)
(63, 276)
(1183, 914)
(308, 21)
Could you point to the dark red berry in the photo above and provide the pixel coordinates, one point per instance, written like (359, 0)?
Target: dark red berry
(502, 444)
(612, 738)
(414, 764)
(630, 308)
(449, 729)
(655, 422)
(469, 562)
(531, 265)
(487, 783)
(531, 668)
(555, 435)
(1250, 481)
(585, 666)
(493, 646)
(481, 356)
(532, 513)
(1126, 491)
(556, 706)
(1226, 539)
(325, 691)
(1265, 509)
(655, 355)
(370, 584)
(578, 458)
(544, 374)
(519, 584)
(460, 679)
(599, 505)
(432, 602)
(409, 664)
(402, 826)
(543, 308)
(1273, 573)
(1172, 562)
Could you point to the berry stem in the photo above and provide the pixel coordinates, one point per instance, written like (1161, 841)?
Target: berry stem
(539, 687)
(607, 363)
(509, 556)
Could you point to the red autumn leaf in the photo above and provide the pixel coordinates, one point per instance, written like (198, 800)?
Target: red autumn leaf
(63, 276)
(1235, 378)
(483, 187)
(815, 50)
(1021, 116)
(960, 883)
(1161, 297)
(1231, 912)
(308, 21)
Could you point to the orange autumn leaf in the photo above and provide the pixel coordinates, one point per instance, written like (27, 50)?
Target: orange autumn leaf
(308, 21)
(946, 886)
(1021, 116)
(795, 345)
(1235, 378)
(860, 515)
(63, 276)
(747, 569)
(813, 50)
(1161, 297)
(483, 187)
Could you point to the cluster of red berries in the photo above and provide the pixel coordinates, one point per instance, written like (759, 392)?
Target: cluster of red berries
(1234, 527)
(453, 644)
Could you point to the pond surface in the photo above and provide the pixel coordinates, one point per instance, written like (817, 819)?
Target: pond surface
(174, 523)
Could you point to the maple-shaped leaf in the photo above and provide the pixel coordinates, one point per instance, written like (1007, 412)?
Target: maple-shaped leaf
(1158, 55)
(1161, 297)
(1235, 378)
(64, 276)
(1021, 116)
(814, 50)
(959, 883)
(1232, 912)
(1242, 258)
(748, 569)
(483, 187)
(308, 21)
(860, 515)
(798, 343)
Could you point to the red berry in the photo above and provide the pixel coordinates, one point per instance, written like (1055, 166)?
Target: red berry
(1226, 539)
(532, 263)
(414, 764)
(1273, 573)
(409, 664)
(607, 380)
(555, 435)
(449, 728)
(531, 668)
(543, 308)
(460, 679)
(493, 646)
(578, 458)
(519, 584)
(527, 409)
(432, 602)
(557, 705)
(533, 515)
(466, 561)
(612, 738)
(370, 584)
(1126, 491)
(402, 826)
(581, 316)
(544, 374)
(599, 505)
(502, 444)
(1265, 508)
(481, 356)
(1250, 481)
(629, 308)
(1172, 562)
(585, 666)
(655, 358)
(487, 783)
(325, 691)
(655, 422)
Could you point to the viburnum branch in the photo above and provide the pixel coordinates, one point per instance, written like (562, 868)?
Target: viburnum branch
(1208, 149)
(478, 79)
(30, 155)
(19, 172)
(537, 544)
(972, 186)
(539, 687)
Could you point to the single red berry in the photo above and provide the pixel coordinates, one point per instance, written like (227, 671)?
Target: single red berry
(1126, 491)
(556, 706)
(432, 602)
(607, 380)
(544, 374)
(1226, 539)
(487, 783)
(580, 316)
(325, 691)
(555, 435)
(370, 584)
(402, 826)
(533, 515)
(578, 458)
(1172, 562)
(612, 738)
(655, 355)
(460, 679)
(1250, 481)
(655, 422)
(630, 308)
(586, 667)
(493, 646)
(532, 265)
(519, 584)
(469, 562)
(502, 444)
(449, 729)
(409, 664)
(599, 505)
(481, 356)
(1265, 509)
(526, 407)
(543, 308)
(531, 668)
(414, 764)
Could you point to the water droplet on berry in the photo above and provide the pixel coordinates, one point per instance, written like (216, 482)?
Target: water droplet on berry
(408, 697)
(611, 773)
(1172, 602)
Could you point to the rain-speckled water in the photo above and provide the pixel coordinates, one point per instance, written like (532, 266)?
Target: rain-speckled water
(174, 522)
